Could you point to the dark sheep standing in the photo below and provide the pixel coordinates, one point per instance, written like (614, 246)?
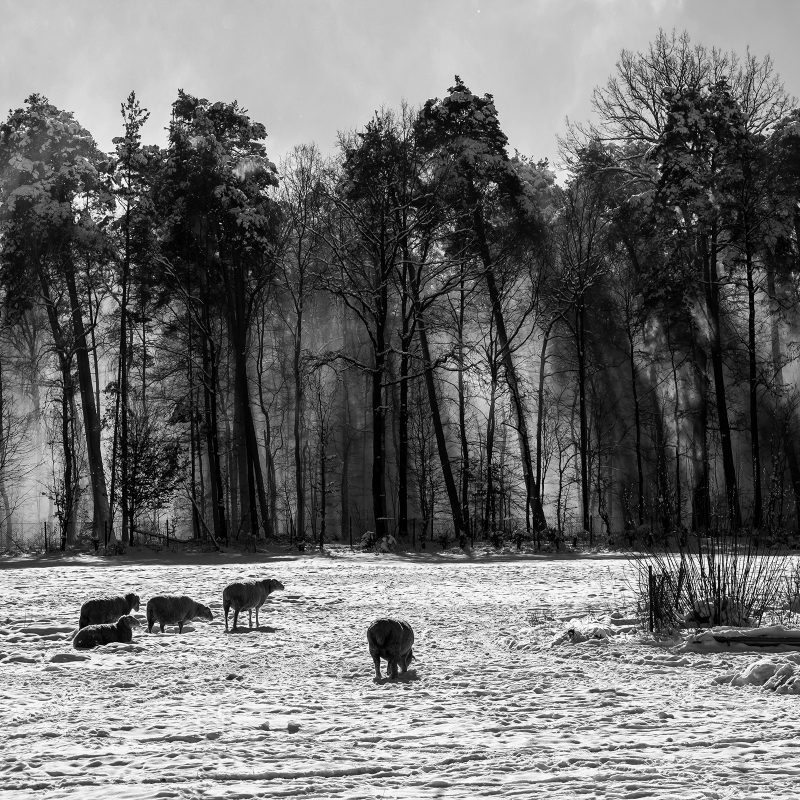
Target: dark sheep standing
(392, 640)
(246, 597)
(101, 610)
(174, 610)
(96, 635)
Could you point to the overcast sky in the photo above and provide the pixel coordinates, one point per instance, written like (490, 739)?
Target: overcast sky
(308, 68)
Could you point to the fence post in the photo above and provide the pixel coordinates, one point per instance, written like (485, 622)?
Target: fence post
(650, 597)
(45, 536)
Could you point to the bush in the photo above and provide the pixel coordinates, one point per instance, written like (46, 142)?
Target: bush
(723, 579)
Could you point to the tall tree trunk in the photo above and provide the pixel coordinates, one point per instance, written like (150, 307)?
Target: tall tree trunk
(91, 418)
(244, 490)
(785, 413)
(540, 412)
(406, 337)
(379, 410)
(701, 499)
(533, 499)
(344, 479)
(676, 418)
(709, 256)
(580, 345)
(323, 480)
(257, 496)
(122, 393)
(637, 419)
(402, 449)
(755, 449)
(299, 480)
(378, 448)
(272, 479)
(664, 503)
(210, 383)
(433, 401)
(462, 410)
(491, 421)
(194, 433)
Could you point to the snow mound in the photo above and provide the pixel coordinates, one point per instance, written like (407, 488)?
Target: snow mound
(779, 675)
(594, 630)
(771, 639)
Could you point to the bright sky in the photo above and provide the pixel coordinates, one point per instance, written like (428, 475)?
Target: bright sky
(309, 68)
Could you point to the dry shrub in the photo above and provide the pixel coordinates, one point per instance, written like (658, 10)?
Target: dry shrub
(721, 579)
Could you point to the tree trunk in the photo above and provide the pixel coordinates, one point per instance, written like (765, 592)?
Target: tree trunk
(91, 418)
(323, 508)
(441, 443)
(580, 345)
(344, 479)
(379, 412)
(676, 410)
(712, 303)
(701, 501)
(755, 449)
(122, 390)
(256, 492)
(637, 419)
(533, 500)
(785, 413)
(299, 480)
(378, 449)
(491, 421)
(462, 410)
(210, 383)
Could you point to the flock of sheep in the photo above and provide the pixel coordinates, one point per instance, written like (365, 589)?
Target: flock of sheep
(104, 620)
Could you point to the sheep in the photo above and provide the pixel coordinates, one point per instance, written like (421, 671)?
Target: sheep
(102, 610)
(246, 597)
(95, 635)
(390, 639)
(174, 610)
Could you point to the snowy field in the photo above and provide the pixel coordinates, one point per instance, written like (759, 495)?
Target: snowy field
(489, 708)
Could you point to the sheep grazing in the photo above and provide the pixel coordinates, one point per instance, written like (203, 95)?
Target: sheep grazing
(101, 610)
(174, 610)
(246, 597)
(96, 635)
(390, 639)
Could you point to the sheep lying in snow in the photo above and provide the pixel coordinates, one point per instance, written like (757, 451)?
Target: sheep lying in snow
(107, 609)
(173, 610)
(390, 639)
(246, 597)
(95, 635)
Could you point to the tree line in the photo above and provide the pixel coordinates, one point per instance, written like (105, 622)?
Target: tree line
(421, 328)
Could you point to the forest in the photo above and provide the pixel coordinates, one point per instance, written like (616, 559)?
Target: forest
(425, 334)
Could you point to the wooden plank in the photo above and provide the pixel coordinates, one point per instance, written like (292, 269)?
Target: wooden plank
(758, 641)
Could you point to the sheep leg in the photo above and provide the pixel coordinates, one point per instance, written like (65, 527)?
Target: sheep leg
(235, 617)
(250, 618)
(180, 627)
(256, 616)
(377, 659)
(227, 609)
(392, 668)
(161, 625)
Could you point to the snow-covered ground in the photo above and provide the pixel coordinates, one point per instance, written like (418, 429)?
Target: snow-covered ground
(490, 708)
